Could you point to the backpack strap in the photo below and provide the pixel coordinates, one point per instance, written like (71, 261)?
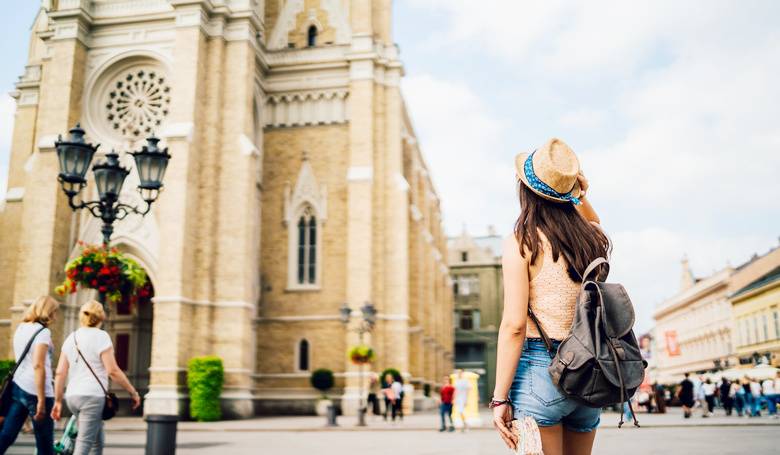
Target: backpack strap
(592, 266)
(547, 342)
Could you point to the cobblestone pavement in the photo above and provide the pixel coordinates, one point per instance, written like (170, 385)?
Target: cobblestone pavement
(661, 434)
(754, 440)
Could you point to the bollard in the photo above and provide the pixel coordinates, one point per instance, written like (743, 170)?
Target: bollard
(332, 416)
(161, 434)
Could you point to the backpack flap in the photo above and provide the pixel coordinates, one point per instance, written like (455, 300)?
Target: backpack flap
(618, 309)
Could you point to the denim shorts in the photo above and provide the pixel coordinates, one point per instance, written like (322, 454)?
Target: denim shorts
(534, 394)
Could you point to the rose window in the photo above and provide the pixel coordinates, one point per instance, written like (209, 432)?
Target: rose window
(137, 103)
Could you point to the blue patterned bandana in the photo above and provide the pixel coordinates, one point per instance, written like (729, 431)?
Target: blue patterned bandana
(540, 186)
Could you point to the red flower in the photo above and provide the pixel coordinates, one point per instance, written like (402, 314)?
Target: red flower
(72, 286)
(102, 289)
(87, 269)
(104, 271)
(93, 283)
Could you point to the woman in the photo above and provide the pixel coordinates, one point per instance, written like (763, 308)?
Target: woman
(32, 390)
(85, 395)
(556, 236)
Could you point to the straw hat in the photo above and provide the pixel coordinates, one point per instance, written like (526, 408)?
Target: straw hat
(551, 171)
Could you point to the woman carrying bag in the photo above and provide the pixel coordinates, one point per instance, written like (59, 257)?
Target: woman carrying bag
(556, 236)
(30, 392)
(87, 361)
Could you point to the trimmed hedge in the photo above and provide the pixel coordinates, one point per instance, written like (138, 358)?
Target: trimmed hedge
(392, 372)
(6, 366)
(205, 377)
(322, 379)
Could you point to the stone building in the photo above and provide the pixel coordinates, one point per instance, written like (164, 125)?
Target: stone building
(718, 322)
(296, 186)
(475, 265)
(754, 293)
(693, 328)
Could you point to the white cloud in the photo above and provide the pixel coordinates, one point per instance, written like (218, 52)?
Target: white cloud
(460, 141)
(672, 106)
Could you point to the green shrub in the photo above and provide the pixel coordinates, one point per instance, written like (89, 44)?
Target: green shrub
(392, 372)
(322, 380)
(205, 376)
(6, 366)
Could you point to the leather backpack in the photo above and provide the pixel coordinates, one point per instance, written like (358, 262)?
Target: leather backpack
(598, 363)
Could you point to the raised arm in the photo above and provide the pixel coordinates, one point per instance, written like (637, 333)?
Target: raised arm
(116, 374)
(511, 333)
(585, 208)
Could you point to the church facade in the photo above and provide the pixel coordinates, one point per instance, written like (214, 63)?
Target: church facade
(296, 186)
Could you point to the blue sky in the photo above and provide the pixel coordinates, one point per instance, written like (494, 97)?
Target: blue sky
(672, 106)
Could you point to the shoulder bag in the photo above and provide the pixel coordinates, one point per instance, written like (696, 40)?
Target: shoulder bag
(111, 404)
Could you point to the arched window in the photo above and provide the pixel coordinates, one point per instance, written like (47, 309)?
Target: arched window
(307, 248)
(303, 355)
(311, 36)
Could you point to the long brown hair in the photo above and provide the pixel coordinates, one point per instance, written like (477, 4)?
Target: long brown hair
(569, 233)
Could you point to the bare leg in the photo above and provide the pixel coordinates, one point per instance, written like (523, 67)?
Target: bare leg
(552, 440)
(575, 443)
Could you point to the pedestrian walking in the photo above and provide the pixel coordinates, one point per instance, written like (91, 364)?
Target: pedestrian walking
(445, 406)
(770, 396)
(686, 395)
(725, 395)
(556, 236)
(87, 361)
(659, 393)
(708, 389)
(755, 394)
(698, 391)
(398, 405)
(389, 397)
(738, 393)
(373, 395)
(462, 388)
(32, 388)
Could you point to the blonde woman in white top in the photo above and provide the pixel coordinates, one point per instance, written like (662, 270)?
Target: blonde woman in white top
(32, 389)
(84, 394)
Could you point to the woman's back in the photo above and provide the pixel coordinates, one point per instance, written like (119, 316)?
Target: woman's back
(552, 295)
(25, 374)
(92, 342)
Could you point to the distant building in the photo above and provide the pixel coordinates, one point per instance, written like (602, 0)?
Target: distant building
(756, 310)
(719, 321)
(475, 267)
(694, 327)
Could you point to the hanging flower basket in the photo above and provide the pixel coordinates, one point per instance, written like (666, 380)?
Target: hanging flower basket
(107, 271)
(361, 354)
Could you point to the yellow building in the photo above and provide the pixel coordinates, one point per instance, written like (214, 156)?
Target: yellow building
(756, 309)
(296, 186)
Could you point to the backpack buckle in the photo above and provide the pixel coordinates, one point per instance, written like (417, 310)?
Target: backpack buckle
(621, 353)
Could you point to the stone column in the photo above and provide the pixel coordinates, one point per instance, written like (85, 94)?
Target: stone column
(177, 208)
(237, 266)
(45, 215)
(359, 187)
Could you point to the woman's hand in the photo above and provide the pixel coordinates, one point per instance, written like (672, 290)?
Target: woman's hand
(40, 411)
(56, 411)
(136, 400)
(583, 181)
(502, 420)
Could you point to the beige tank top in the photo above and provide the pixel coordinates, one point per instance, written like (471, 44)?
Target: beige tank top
(552, 296)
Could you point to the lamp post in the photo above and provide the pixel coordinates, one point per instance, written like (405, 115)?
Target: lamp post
(75, 156)
(366, 326)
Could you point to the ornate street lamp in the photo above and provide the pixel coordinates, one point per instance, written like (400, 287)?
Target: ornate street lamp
(367, 325)
(75, 155)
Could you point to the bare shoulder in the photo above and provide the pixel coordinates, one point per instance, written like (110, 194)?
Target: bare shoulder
(511, 249)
